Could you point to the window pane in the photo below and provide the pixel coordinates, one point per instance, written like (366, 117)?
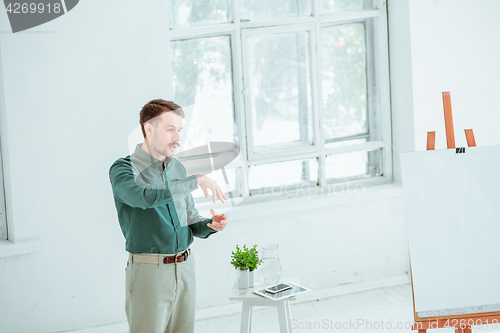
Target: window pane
(282, 176)
(260, 10)
(358, 164)
(340, 5)
(203, 88)
(189, 13)
(280, 90)
(344, 80)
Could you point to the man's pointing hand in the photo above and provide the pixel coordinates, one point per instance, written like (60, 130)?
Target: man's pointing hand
(208, 183)
(219, 222)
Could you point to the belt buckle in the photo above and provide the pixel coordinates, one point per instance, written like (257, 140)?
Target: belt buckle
(176, 256)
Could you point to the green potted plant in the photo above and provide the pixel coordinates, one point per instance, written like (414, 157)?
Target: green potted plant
(253, 262)
(239, 261)
(245, 261)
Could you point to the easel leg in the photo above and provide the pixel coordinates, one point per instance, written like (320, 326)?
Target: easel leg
(463, 330)
(448, 120)
(431, 140)
(469, 135)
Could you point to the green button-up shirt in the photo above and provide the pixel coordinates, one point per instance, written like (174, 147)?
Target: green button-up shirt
(154, 203)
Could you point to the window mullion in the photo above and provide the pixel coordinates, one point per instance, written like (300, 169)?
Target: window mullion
(168, 55)
(348, 17)
(316, 95)
(239, 97)
(302, 98)
(203, 31)
(302, 81)
(372, 100)
(381, 70)
(315, 9)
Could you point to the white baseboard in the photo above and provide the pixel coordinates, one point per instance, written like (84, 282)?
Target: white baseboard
(235, 307)
(353, 288)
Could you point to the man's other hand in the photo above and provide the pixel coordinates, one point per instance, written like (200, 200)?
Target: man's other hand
(208, 183)
(219, 222)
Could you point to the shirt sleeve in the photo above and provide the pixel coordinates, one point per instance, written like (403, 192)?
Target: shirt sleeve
(129, 187)
(196, 222)
(181, 187)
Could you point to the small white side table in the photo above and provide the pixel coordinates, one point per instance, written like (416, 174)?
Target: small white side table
(250, 299)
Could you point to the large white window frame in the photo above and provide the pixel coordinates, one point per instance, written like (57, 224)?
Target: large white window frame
(378, 87)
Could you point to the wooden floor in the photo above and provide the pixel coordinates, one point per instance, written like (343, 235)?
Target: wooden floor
(379, 310)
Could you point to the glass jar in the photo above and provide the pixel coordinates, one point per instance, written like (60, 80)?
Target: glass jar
(270, 269)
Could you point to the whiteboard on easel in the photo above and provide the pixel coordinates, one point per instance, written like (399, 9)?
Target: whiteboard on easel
(453, 215)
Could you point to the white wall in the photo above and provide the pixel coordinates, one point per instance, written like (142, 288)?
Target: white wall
(454, 48)
(73, 90)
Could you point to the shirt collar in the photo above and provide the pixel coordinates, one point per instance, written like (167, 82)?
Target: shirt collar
(150, 160)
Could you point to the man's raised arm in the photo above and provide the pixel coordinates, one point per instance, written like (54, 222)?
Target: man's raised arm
(131, 189)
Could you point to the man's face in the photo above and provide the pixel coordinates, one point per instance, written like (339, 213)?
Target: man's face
(166, 135)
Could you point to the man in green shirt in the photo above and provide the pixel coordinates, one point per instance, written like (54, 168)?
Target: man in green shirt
(158, 219)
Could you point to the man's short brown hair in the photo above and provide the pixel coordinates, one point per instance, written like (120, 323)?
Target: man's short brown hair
(154, 108)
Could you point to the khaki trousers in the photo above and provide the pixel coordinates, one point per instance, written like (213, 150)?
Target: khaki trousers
(160, 298)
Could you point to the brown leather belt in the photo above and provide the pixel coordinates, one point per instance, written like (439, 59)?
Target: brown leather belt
(149, 259)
